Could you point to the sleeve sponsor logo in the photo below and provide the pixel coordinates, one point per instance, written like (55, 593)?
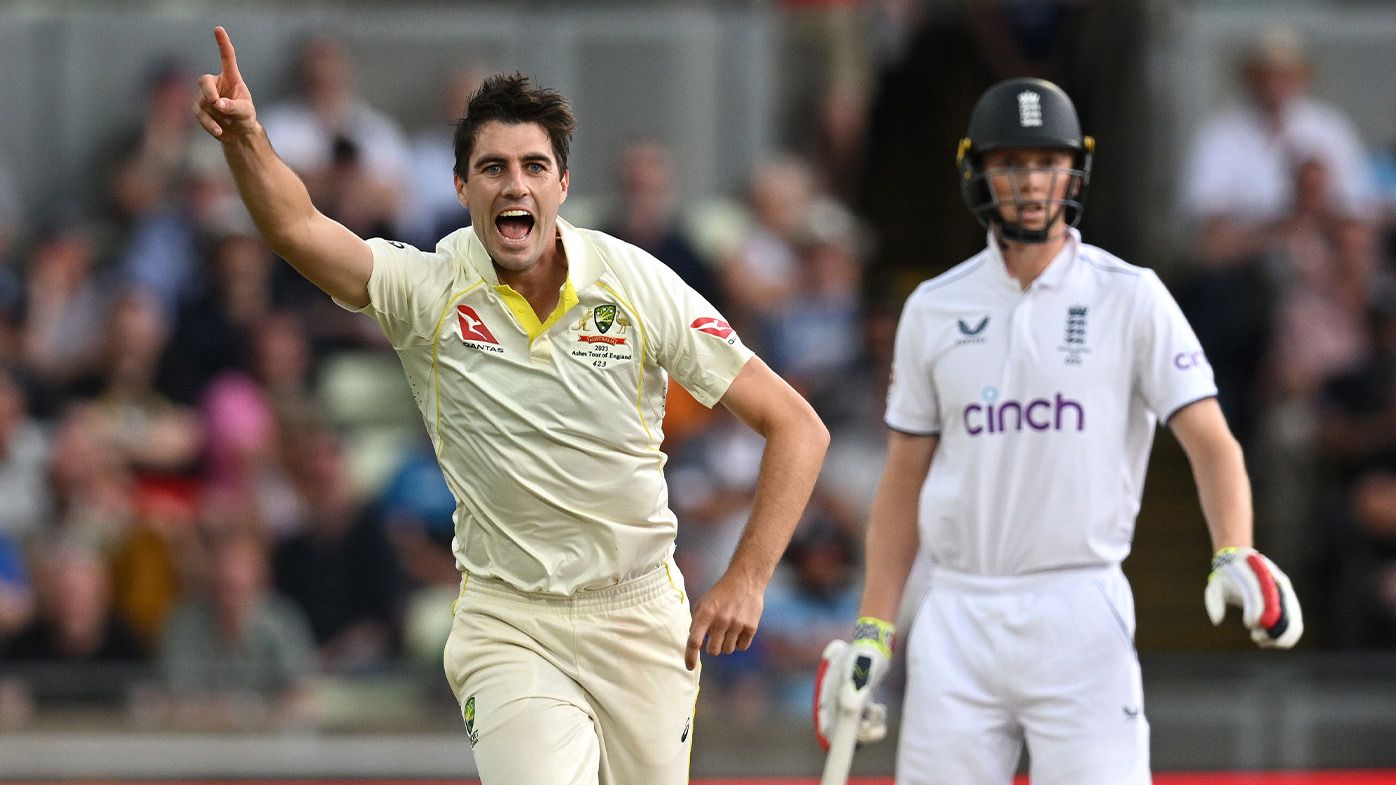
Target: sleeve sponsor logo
(712, 326)
(1186, 361)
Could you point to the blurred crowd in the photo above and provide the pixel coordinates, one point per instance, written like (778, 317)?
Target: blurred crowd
(1290, 224)
(198, 506)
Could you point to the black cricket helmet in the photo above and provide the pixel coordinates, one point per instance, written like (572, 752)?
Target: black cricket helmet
(1024, 114)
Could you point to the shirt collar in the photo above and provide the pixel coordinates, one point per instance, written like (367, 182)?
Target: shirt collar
(1052, 276)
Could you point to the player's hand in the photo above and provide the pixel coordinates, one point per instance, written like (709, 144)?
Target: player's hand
(727, 616)
(848, 675)
(1269, 607)
(224, 104)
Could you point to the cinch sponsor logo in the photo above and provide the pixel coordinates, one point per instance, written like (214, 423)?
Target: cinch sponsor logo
(1057, 413)
(1186, 361)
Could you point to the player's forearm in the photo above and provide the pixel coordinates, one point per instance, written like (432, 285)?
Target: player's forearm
(1218, 469)
(275, 197)
(789, 468)
(890, 547)
(1224, 490)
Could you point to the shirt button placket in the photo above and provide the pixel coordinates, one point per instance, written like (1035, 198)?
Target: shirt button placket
(540, 349)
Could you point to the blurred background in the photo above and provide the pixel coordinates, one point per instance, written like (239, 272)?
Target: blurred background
(224, 541)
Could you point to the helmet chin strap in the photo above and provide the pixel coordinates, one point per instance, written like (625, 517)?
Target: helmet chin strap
(1017, 233)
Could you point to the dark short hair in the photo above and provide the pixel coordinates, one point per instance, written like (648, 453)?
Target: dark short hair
(512, 99)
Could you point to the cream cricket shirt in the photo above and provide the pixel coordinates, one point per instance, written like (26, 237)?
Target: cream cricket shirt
(1045, 402)
(548, 434)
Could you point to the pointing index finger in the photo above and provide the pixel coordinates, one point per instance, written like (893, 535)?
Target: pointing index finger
(226, 55)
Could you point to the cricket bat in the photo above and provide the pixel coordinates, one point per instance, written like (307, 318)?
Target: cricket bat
(845, 739)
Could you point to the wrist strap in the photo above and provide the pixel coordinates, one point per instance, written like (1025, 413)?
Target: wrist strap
(875, 631)
(1226, 555)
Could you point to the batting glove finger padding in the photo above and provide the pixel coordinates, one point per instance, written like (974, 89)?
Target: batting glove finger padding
(848, 675)
(1269, 607)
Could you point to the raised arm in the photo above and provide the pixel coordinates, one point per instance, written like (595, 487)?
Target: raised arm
(795, 443)
(321, 249)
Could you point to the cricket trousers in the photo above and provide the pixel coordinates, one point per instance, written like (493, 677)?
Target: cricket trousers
(583, 690)
(1046, 659)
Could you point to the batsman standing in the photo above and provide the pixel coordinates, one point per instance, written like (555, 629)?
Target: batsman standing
(1027, 385)
(538, 353)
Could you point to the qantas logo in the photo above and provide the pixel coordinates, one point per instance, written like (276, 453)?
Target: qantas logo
(472, 327)
(711, 326)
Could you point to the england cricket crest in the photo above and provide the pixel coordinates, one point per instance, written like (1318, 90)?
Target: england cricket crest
(471, 732)
(1029, 109)
(1074, 345)
(604, 316)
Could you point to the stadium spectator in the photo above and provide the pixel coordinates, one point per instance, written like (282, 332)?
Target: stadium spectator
(647, 215)
(431, 210)
(213, 333)
(90, 480)
(244, 412)
(235, 654)
(75, 623)
(141, 165)
(65, 306)
(337, 566)
(154, 434)
(826, 77)
(315, 130)
(815, 335)
(24, 449)
(758, 275)
(16, 589)
(1238, 190)
(161, 253)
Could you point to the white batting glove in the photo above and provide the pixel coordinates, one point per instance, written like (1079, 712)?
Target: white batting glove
(848, 675)
(1269, 607)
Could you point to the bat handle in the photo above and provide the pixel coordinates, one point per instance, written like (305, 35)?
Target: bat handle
(840, 761)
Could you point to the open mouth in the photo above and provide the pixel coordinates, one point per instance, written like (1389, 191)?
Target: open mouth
(514, 224)
(1032, 210)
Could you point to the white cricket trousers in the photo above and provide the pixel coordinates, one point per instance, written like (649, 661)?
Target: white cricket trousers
(582, 690)
(1047, 659)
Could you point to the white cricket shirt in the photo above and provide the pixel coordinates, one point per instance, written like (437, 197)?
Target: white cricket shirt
(548, 433)
(1045, 401)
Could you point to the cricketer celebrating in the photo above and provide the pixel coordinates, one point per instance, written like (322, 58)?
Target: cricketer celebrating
(538, 353)
(1027, 385)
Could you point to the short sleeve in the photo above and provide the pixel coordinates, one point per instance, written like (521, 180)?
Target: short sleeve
(402, 290)
(912, 404)
(692, 341)
(1170, 368)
